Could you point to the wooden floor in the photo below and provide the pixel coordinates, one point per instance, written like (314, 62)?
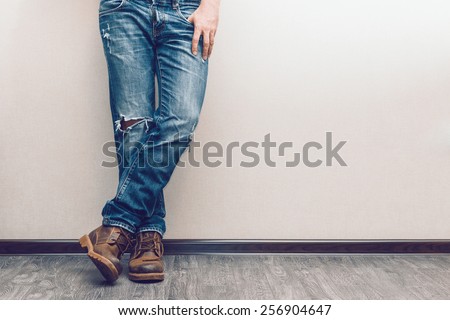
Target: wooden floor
(235, 277)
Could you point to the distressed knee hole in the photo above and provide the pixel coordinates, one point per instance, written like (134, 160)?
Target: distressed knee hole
(124, 124)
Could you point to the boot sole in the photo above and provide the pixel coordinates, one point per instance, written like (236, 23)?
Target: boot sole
(106, 267)
(145, 276)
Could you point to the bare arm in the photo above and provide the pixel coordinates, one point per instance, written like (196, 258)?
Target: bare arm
(205, 20)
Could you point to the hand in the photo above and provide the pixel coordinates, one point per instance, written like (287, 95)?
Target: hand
(205, 20)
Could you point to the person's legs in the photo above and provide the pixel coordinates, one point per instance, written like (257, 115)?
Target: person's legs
(142, 38)
(130, 55)
(182, 79)
(129, 49)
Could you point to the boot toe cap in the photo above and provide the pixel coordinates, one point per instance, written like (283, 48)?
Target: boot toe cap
(142, 266)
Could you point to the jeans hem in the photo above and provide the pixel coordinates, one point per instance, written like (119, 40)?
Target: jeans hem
(110, 222)
(151, 228)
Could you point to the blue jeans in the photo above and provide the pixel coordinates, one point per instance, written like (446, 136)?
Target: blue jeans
(144, 40)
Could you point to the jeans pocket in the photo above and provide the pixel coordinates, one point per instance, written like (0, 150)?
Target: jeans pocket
(108, 6)
(184, 11)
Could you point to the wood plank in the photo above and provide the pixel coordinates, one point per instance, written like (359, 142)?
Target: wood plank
(234, 277)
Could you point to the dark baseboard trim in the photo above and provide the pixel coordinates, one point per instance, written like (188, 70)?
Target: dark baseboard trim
(25, 247)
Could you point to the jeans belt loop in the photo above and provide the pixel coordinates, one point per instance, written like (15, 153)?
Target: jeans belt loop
(175, 4)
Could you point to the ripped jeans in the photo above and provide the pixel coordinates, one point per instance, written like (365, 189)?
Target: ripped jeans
(144, 40)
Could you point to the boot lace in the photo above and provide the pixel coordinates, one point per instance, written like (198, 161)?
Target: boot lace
(122, 240)
(147, 243)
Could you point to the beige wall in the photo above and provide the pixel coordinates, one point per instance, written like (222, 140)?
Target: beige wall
(375, 73)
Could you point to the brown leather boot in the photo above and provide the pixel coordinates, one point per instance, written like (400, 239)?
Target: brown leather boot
(146, 258)
(106, 246)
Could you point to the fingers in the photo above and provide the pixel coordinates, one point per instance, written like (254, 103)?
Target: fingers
(211, 43)
(195, 40)
(208, 36)
(206, 45)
